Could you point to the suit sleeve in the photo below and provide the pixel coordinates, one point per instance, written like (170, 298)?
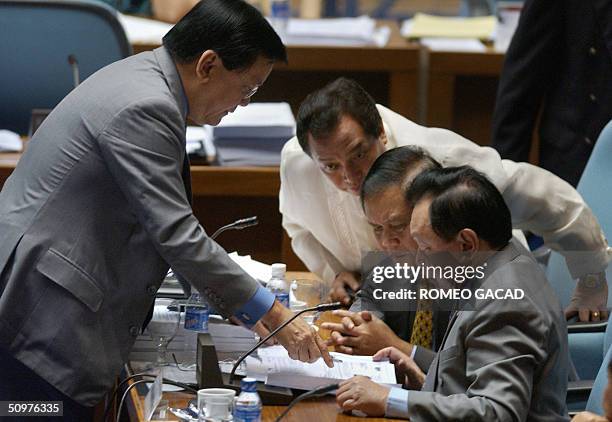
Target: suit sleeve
(503, 349)
(142, 148)
(529, 67)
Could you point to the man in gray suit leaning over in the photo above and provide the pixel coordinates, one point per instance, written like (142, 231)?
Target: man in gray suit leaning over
(98, 209)
(501, 359)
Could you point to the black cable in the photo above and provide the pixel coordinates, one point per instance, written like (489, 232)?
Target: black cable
(116, 390)
(142, 374)
(312, 393)
(127, 390)
(164, 381)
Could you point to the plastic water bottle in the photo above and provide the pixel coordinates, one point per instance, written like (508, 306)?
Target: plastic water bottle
(278, 285)
(280, 12)
(196, 321)
(247, 407)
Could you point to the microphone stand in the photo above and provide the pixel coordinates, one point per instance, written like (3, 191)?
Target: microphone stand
(319, 308)
(243, 223)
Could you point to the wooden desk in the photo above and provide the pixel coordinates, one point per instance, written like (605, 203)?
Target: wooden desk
(461, 91)
(322, 409)
(389, 73)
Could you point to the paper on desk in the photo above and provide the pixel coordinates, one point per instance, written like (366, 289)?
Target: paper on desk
(257, 270)
(257, 120)
(201, 137)
(453, 44)
(423, 25)
(274, 367)
(9, 141)
(143, 31)
(358, 31)
(506, 28)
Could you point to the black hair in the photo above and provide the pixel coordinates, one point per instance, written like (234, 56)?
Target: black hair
(321, 111)
(233, 29)
(463, 198)
(397, 166)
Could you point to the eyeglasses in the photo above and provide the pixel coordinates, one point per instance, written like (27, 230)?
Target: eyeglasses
(251, 91)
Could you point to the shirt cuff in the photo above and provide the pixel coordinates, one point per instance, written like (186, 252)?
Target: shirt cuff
(397, 403)
(259, 304)
(414, 347)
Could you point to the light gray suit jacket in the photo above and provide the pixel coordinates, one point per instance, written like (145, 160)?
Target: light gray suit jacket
(505, 361)
(90, 220)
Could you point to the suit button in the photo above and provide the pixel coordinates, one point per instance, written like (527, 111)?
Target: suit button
(588, 141)
(134, 331)
(592, 51)
(151, 289)
(592, 97)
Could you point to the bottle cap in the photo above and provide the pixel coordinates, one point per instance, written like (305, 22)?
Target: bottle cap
(278, 270)
(248, 384)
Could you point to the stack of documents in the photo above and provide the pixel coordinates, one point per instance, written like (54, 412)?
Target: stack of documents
(258, 270)
(423, 25)
(228, 337)
(254, 135)
(200, 146)
(274, 367)
(361, 31)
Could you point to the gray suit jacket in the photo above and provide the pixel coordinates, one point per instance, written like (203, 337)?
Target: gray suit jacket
(90, 220)
(505, 361)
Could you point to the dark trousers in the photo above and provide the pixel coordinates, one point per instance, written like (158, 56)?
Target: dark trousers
(18, 382)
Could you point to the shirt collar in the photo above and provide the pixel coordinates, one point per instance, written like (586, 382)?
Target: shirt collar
(171, 74)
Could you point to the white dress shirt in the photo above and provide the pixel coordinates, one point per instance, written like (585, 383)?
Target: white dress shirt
(329, 231)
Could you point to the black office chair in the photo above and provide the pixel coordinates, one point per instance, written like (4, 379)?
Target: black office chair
(49, 46)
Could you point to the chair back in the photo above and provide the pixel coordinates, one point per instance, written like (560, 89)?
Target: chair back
(593, 186)
(45, 44)
(595, 402)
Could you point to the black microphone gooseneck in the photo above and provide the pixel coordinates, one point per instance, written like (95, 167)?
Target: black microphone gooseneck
(319, 308)
(243, 223)
(312, 393)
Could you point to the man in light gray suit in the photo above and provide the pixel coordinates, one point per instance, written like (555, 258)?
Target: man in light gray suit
(98, 209)
(501, 359)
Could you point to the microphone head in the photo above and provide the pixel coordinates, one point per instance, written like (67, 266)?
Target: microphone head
(246, 222)
(329, 306)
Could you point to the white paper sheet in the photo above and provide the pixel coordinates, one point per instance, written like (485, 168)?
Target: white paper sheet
(274, 367)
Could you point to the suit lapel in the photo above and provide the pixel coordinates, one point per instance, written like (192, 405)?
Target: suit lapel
(450, 326)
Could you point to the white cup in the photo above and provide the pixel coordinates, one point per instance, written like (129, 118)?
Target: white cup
(215, 404)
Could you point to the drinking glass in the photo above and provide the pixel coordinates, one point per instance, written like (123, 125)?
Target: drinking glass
(163, 326)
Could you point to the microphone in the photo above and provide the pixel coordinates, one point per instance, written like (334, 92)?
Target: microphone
(318, 308)
(75, 69)
(243, 223)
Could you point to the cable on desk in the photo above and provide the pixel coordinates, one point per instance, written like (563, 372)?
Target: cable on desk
(312, 393)
(142, 374)
(164, 381)
(116, 390)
